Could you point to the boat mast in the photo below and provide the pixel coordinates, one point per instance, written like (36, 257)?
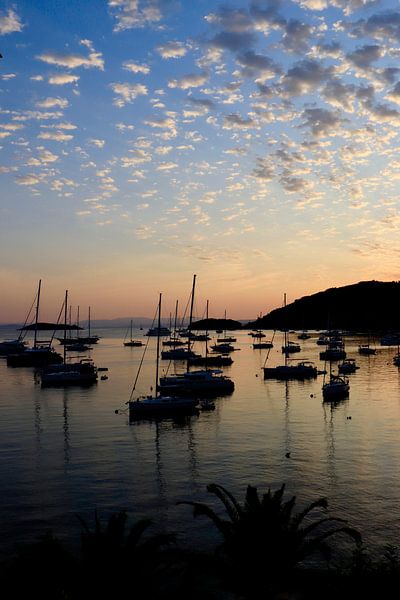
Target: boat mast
(65, 326)
(89, 323)
(176, 317)
(37, 314)
(158, 342)
(191, 312)
(206, 333)
(285, 332)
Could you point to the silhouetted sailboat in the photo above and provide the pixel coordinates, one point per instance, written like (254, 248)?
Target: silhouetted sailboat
(41, 353)
(132, 342)
(82, 372)
(160, 404)
(295, 370)
(198, 382)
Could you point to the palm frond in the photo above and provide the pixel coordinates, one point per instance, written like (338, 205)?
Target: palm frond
(320, 503)
(200, 509)
(232, 506)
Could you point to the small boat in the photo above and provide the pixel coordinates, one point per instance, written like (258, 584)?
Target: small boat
(257, 334)
(290, 347)
(366, 349)
(301, 370)
(132, 342)
(178, 354)
(323, 340)
(303, 336)
(174, 342)
(348, 366)
(333, 353)
(197, 383)
(396, 360)
(81, 373)
(158, 331)
(223, 348)
(12, 347)
(262, 345)
(77, 347)
(211, 360)
(337, 387)
(227, 339)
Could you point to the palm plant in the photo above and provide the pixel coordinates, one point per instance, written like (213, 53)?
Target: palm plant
(111, 558)
(263, 539)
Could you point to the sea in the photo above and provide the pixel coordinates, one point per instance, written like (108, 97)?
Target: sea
(72, 452)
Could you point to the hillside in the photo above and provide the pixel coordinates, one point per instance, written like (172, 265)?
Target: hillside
(364, 306)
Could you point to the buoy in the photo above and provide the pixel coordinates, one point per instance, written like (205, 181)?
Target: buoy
(287, 454)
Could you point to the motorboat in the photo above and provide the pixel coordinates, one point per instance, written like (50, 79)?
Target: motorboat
(348, 366)
(300, 370)
(82, 373)
(197, 383)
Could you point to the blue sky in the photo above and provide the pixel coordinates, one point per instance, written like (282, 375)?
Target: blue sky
(141, 141)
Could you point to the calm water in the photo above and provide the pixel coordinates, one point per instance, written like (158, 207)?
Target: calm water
(66, 452)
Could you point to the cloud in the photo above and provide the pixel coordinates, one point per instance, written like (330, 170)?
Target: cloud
(382, 26)
(134, 14)
(134, 67)
(167, 123)
(29, 179)
(167, 166)
(257, 66)
(321, 121)
(231, 19)
(63, 79)
(51, 102)
(189, 81)
(10, 22)
(46, 156)
(394, 94)
(97, 143)
(72, 61)
(37, 115)
(127, 93)
(340, 95)
(296, 36)
(171, 50)
(228, 40)
(235, 121)
(363, 57)
(56, 136)
(305, 76)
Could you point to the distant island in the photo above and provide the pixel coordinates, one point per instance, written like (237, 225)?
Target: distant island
(366, 306)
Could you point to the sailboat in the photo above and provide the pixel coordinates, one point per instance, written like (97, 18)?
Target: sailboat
(336, 388)
(296, 370)
(366, 349)
(41, 353)
(132, 342)
(160, 404)
(89, 339)
(210, 360)
(198, 382)
(83, 372)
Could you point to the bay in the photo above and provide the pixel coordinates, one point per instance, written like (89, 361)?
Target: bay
(66, 452)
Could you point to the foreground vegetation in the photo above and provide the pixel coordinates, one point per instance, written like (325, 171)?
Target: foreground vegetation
(265, 549)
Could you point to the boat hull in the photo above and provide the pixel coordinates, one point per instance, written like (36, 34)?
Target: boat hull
(290, 372)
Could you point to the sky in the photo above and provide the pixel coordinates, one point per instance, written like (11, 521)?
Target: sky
(253, 143)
